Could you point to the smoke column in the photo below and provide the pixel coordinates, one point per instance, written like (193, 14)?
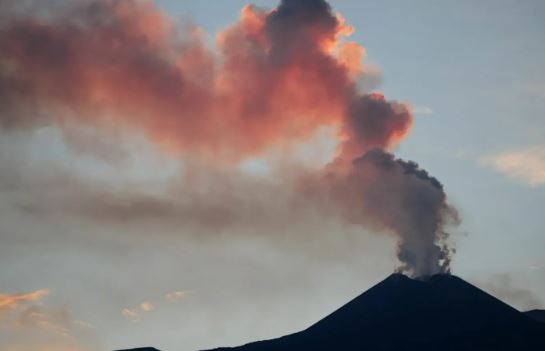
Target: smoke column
(275, 76)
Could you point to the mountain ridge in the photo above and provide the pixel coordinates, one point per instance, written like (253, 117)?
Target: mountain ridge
(438, 312)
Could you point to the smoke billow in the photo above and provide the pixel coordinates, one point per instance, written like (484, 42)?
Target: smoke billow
(381, 192)
(411, 203)
(274, 77)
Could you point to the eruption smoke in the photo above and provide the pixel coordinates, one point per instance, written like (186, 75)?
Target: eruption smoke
(405, 199)
(275, 77)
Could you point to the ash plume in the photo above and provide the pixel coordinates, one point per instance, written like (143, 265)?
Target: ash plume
(273, 78)
(408, 201)
(390, 195)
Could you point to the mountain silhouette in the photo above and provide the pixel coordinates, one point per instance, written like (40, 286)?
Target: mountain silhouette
(441, 312)
(538, 315)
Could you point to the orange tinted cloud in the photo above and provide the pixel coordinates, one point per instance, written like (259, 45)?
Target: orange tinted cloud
(275, 77)
(147, 306)
(11, 301)
(28, 325)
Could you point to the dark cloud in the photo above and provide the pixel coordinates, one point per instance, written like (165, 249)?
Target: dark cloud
(412, 204)
(373, 122)
(300, 27)
(385, 194)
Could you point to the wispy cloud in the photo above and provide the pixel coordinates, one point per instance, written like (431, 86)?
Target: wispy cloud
(135, 314)
(11, 301)
(175, 296)
(131, 315)
(30, 325)
(147, 306)
(422, 110)
(56, 322)
(526, 165)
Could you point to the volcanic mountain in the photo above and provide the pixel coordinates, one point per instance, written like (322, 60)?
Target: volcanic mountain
(441, 312)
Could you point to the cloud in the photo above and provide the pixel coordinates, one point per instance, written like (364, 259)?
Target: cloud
(272, 79)
(147, 306)
(175, 296)
(422, 110)
(526, 166)
(208, 202)
(28, 325)
(131, 314)
(26, 311)
(57, 322)
(83, 324)
(12, 301)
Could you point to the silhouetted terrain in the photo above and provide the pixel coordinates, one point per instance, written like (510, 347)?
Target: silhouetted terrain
(538, 315)
(442, 312)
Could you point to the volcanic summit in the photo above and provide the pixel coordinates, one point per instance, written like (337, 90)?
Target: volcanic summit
(441, 312)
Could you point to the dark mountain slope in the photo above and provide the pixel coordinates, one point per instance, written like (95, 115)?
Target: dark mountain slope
(538, 315)
(440, 313)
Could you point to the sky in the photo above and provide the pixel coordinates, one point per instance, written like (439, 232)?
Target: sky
(140, 209)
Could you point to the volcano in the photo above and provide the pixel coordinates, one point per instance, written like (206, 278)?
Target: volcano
(441, 312)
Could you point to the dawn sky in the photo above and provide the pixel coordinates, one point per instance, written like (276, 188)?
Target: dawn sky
(121, 228)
